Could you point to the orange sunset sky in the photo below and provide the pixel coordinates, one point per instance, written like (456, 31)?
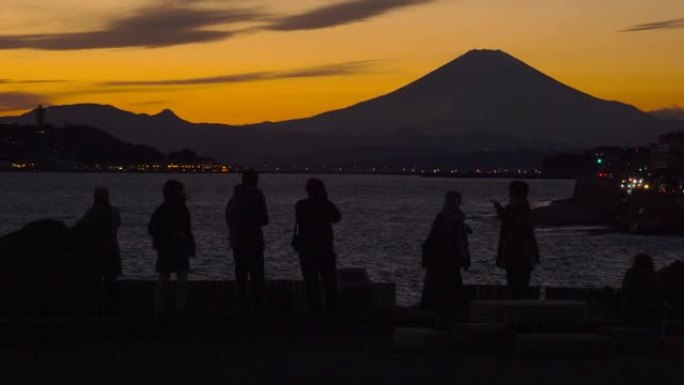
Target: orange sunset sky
(254, 60)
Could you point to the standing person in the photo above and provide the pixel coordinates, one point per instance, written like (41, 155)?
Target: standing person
(445, 253)
(641, 294)
(100, 226)
(245, 215)
(172, 238)
(517, 252)
(313, 240)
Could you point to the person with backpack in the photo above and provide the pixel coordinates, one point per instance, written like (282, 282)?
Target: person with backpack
(246, 214)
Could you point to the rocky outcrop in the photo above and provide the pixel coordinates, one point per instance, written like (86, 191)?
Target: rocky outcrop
(42, 271)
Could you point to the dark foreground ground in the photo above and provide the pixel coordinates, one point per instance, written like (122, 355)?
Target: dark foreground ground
(287, 350)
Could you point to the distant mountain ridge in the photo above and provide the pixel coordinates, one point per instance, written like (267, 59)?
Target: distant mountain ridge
(154, 130)
(672, 113)
(484, 100)
(491, 91)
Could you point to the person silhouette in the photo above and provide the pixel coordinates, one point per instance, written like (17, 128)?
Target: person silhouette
(641, 294)
(313, 240)
(172, 237)
(245, 215)
(100, 226)
(517, 252)
(445, 253)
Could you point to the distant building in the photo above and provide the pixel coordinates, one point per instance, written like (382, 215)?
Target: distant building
(668, 155)
(667, 162)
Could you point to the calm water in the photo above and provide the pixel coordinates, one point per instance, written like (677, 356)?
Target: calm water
(384, 219)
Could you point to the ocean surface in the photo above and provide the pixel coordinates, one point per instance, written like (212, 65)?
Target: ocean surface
(384, 220)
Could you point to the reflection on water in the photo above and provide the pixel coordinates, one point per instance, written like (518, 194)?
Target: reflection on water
(384, 219)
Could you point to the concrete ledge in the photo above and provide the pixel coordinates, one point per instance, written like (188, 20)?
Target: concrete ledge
(421, 340)
(561, 345)
(633, 340)
(482, 337)
(205, 298)
(479, 332)
(528, 313)
(352, 275)
(495, 292)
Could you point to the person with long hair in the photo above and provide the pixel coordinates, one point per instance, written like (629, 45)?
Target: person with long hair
(172, 237)
(99, 228)
(641, 294)
(445, 253)
(313, 240)
(517, 252)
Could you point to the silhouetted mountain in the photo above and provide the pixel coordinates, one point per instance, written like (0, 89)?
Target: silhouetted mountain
(484, 100)
(164, 130)
(169, 117)
(491, 91)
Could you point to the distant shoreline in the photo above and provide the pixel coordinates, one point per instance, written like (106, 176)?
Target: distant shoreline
(378, 173)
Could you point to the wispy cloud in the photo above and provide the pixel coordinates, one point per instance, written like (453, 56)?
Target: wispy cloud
(667, 24)
(31, 81)
(165, 24)
(340, 13)
(16, 100)
(337, 69)
(168, 23)
(151, 103)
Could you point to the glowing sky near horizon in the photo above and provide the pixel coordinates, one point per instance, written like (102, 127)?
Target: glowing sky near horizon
(247, 61)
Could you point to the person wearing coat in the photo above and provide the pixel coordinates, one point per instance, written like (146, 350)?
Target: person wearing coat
(313, 240)
(246, 214)
(172, 237)
(642, 302)
(97, 235)
(445, 253)
(517, 252)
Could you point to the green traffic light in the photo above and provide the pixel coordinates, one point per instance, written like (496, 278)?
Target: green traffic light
(599, 160)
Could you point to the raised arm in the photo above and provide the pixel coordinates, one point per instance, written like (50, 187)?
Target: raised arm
(500, 210)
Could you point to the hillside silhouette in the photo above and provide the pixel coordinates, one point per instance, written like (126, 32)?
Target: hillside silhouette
(485, 100)
(70, 146)
(157, 130)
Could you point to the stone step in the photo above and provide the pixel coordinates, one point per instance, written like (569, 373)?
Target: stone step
(562, 345)
(421, 339)
(529, 313)
(479, 332)
(633, 340)
(482, 337)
